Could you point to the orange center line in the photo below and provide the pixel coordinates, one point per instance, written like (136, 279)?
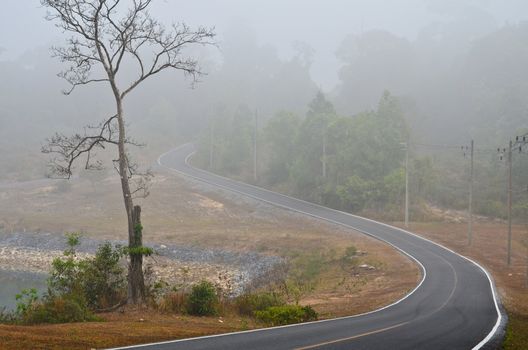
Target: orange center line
(350, 338)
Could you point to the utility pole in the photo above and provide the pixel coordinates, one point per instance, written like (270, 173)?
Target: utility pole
(470, 209)
(509, 201)
(406, 145)
(255, 137)
(407, 185)
(324, 153)
(211, 146)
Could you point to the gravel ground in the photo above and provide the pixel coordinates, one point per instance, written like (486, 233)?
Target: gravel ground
(33, 252)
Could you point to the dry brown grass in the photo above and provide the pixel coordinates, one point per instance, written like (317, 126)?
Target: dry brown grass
(132, 327)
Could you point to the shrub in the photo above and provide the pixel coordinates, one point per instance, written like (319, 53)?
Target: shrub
(26, 301)
(203, 299)
(100, 280)
(174, 301)
(58, 310)
(66, 271)
(286, 314)
(103, 277)
(74, 287)
(248, 304)
(50, 309)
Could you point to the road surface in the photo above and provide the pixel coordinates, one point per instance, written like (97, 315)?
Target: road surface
(453, 307)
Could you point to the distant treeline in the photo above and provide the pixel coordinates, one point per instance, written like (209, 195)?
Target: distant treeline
(355, 163)
(351, 163)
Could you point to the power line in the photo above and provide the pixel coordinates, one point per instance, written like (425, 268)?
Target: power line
(434, 146)
(452, 147)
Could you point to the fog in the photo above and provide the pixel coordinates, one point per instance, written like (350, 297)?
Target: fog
(447, 71)
(282, 23)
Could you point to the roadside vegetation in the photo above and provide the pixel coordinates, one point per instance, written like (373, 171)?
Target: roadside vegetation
(311, 284)
(78, 289)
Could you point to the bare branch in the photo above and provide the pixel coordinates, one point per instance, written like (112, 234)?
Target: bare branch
(68, 149)
(169, 48)
(140, 181)
(105, 35)
(141, 184)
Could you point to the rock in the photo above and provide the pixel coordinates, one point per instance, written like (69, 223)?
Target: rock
(368, 267)
(174, 264)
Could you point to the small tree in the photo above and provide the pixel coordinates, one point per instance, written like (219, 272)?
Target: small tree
(203, 299)
(103, 277)
(104, 35)
(65, 271)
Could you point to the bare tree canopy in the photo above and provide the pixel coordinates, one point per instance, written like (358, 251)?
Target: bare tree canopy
(106, 34)
(103, 37)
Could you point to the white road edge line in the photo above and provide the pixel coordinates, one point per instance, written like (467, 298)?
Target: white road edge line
(492, 286)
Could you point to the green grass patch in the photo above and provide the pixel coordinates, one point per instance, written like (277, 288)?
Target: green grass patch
(286, 314)
(516, 332)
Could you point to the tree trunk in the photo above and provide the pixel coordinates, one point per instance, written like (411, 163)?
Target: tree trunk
(136, 283)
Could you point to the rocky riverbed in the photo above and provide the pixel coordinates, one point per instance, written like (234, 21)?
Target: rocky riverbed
(32, 253)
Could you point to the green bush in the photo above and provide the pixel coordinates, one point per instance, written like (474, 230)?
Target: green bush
(248, 304)
(99, 280)
(26, 301)
(50, 309)
(286, 314)
(58, 310)
(75, 287)
(103, 277)
(203, 300)
(66, 271)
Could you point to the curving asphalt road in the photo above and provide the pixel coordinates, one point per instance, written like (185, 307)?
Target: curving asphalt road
(453, 307)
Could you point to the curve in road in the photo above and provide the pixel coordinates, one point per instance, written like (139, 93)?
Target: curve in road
(455, 305)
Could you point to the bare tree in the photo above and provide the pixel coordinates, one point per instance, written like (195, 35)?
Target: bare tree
(105, 34)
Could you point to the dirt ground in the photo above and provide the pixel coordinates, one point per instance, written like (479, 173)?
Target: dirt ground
(182, 212)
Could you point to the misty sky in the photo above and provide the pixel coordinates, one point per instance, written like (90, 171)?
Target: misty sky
(321, 24)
